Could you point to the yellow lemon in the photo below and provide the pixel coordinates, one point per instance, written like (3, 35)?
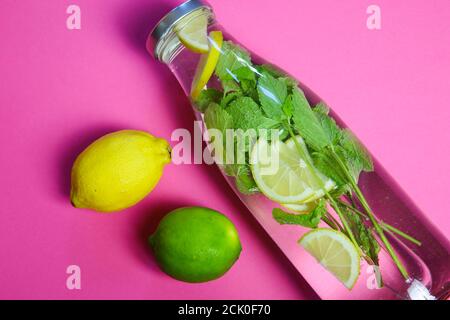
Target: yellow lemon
(118, 170)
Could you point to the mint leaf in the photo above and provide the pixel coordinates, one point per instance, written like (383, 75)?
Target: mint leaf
(278, 74)
(244, 73)
(228, 98)
(327, 165)
(288, 107)
(270, 69)
(321, 108)
(206, 97)
(231, 59)
(244, 180)
(243, 77)
(356, 151)
(249, 89)
(234, 65)
(230, 86)
(272, 94)
(310, 220)
(341, 143)
(328, 124)
(246, 114)
(291, 84)
(306, 122)
(218, 118)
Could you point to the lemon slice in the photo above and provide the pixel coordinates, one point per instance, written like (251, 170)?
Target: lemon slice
(282, 173)
(327, 182)
(335, 252)
(207, 64)
(192, 32)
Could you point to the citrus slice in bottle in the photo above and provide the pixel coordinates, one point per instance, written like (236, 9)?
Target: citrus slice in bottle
(193, 34)
(207, 64)
(282, 173)
(327, 182)
(335, 252)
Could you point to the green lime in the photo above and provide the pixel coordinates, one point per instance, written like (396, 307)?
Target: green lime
(195, 244)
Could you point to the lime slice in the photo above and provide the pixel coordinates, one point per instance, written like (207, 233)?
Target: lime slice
(207, 64)
(192, 32)
(335, 252)
(282, 173)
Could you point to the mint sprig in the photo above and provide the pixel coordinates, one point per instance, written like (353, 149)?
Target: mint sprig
(263, 97)
(272, 94)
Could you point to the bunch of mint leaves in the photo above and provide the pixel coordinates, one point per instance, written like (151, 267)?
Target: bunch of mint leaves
(262, 97)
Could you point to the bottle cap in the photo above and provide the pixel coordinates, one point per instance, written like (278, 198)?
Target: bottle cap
(166, 24)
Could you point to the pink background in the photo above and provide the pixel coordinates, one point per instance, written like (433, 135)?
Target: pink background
(61, 89)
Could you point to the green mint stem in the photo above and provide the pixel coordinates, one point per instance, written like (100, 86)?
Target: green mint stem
(342, 218)
(330, 223)
(372, 218)
(385, 226)
(388, 227)
(362, 214)
(322, 186)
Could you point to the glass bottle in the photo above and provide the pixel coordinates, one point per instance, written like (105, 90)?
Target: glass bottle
(414, 260)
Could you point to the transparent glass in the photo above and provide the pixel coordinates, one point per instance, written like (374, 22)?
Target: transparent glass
(427, 265)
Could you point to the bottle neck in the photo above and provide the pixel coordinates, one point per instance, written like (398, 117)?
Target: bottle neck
(169, 46)
(181, 61)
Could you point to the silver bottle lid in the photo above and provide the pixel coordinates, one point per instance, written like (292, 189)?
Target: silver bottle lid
(166, 24)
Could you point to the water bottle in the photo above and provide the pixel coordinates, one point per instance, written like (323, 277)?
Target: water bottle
(326, 198)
